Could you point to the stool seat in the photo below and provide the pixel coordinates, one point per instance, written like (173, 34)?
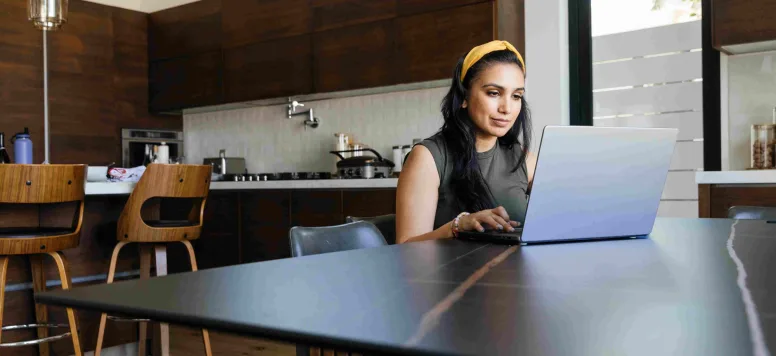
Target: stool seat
(33, 232)
(170, 223)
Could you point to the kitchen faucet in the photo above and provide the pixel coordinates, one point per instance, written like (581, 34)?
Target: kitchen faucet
(311, 120)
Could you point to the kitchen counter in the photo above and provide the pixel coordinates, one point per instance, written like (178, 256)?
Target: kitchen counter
(737, 177)
(124, 188)
(719, 191)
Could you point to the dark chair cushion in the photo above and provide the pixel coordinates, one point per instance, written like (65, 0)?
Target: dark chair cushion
(170, 223)
(752, 213)
(307, 241)
(385, 223)
(33, 232)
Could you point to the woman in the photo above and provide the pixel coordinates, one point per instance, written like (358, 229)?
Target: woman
(475, 173)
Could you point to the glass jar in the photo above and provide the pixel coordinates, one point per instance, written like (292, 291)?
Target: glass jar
(762, 142)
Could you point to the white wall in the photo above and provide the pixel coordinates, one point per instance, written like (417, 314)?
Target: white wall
(547, 65)
(751, 94)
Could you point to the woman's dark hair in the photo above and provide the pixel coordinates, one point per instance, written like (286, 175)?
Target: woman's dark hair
(468, 185)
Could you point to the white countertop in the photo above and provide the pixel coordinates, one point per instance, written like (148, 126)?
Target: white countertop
(107, 188)
(737, 177)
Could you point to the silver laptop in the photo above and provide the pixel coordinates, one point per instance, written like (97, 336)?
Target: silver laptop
(593, 183)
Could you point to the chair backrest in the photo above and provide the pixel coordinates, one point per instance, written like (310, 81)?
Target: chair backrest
(41, 183)
(165, 181)
(752, 213)
(385, 223)
(307, 241)
(48, 192)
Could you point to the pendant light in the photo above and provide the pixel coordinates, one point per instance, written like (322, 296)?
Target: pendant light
(46, 15)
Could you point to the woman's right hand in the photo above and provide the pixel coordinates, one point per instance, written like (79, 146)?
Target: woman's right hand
(497, 219)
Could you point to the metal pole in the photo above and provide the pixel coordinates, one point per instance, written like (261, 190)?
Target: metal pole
(45, 101)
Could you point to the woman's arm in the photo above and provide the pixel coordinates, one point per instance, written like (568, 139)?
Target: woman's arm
(416, 199)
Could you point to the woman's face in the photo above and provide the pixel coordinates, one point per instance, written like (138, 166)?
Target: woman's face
(495, 98)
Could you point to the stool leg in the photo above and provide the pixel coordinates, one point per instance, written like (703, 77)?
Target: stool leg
(41, 313)
(59, 258)
(3, 270)
(193, 259)
(145, 273)
(104, 317)
(161, 270)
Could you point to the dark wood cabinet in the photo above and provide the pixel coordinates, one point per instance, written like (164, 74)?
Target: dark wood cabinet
(714, 200)
(265, 220)
(218, 244)
(412, 7)
(186, 82)
(226, 51)
(252, 21)
(352, 57)
(316, 208)
(430, 44)
(253, 225)
(738, 23)
(268, 69)
(329, 14)
(185, 30)
(368, 203)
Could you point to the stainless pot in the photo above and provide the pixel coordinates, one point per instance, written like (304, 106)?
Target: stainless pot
(363, 166)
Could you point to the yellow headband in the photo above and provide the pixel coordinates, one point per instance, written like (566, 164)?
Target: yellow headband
(480, 51)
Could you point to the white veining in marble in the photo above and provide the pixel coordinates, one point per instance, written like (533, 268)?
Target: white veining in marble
(270, 142)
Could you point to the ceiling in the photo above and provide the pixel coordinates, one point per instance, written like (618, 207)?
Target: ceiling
(147, 6)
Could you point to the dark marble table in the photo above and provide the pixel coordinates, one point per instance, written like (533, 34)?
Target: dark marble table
(693, 287)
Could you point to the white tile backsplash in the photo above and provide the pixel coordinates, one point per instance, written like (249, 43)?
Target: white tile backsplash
(270, 142)
(751, 98)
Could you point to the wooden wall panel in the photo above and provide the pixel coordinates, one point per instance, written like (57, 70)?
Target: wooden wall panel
(21, 78)
(98, 81)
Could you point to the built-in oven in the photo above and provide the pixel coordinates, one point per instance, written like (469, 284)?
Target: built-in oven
(136, 143)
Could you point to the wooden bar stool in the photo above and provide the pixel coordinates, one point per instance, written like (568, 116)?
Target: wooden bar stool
(39, 189)
(160, 181)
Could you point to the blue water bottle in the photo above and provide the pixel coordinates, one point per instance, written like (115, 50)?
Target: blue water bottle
(22, 147)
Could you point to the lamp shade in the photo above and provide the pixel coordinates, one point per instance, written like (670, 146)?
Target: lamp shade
(48, 15)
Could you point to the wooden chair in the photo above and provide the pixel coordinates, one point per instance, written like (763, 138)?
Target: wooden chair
(160, 181)
(37, 189)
